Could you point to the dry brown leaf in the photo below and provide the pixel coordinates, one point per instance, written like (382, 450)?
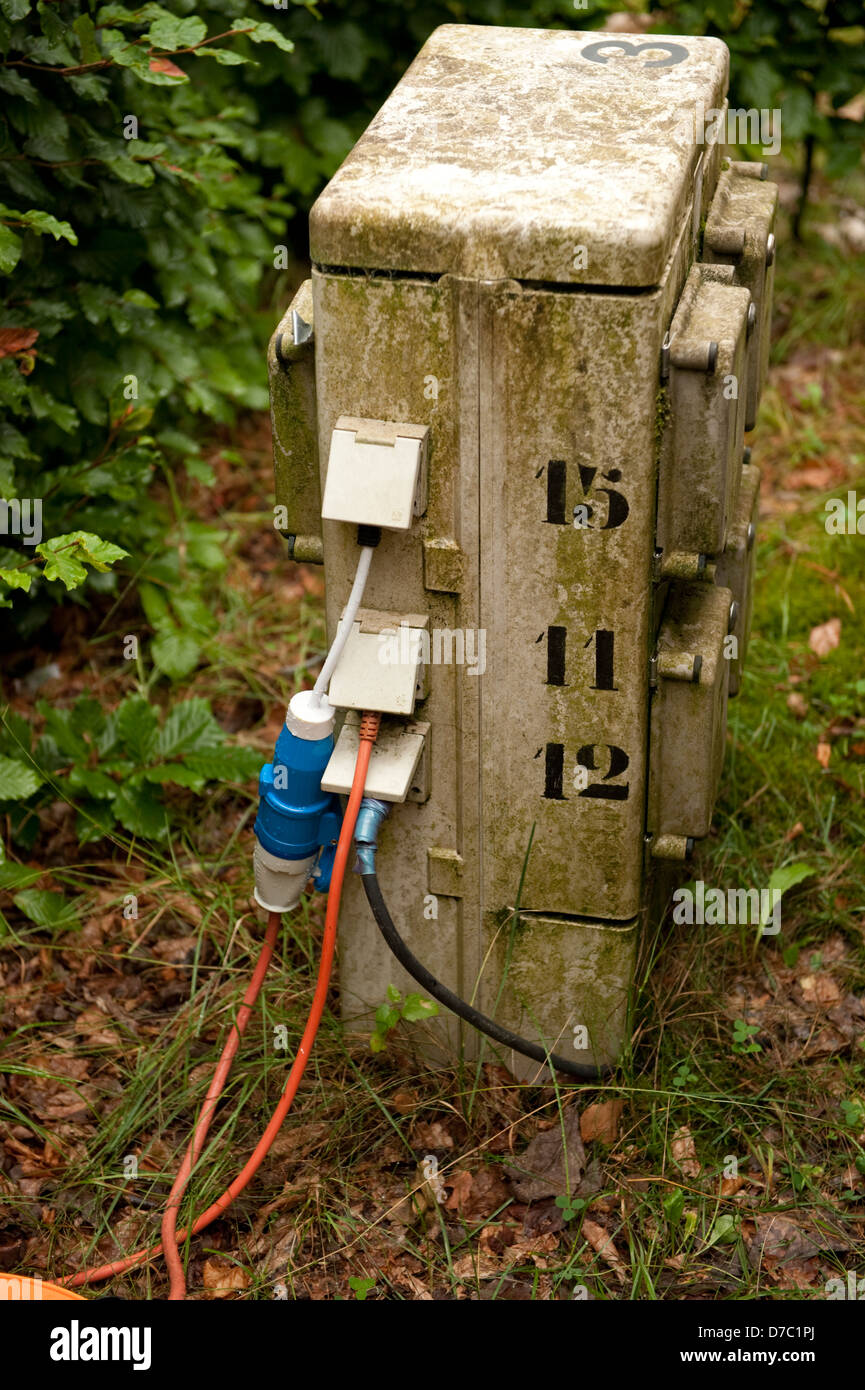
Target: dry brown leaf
(823, 753)
(778, 1240)
(601, 1121)
(824, 638)
(480, 1264)
(432, 1135)
(730, 1186)
(299, 1140)
(684, 1153)
(221, 1278)
(475, 1196)
(92, 1024)
(602, 1243)
(797, 704)
(820, 989)
(404, 1102)
(549, 1167)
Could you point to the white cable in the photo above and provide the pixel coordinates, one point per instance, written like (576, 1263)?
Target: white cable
(319, 690)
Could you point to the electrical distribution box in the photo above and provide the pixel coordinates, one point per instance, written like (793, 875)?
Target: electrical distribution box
(535, 333)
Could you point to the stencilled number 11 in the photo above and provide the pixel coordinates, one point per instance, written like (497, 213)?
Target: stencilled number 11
(605, 647)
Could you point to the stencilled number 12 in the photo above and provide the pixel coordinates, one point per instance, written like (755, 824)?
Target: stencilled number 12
(606, 761)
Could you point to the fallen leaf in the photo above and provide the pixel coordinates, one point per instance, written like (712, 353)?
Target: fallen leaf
(432, 1135)
(549, 1167)
(601, 1121)
(797, 704)
(475, 1196)
(222, 1279)
(602, 1243)
(92, 1024)
(820, 989)
(404, 1102)
(823, 753)
(778, 1240)
(730, 1186)
(824, 638)
(684, 1153)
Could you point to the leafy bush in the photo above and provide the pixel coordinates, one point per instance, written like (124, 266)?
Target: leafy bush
(113, 766)
(136, 239)
(804, 57)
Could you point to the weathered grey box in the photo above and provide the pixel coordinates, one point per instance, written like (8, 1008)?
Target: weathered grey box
(500, 259)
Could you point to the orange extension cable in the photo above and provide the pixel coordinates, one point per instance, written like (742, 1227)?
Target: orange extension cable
(171, 1237)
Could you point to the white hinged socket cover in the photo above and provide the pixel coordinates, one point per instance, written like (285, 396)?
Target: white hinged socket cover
(380, 665)
(392, 765)
(374, 473)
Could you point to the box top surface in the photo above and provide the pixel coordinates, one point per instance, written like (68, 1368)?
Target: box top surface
(501, 152)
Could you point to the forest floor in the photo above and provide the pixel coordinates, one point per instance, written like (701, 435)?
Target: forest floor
(725, 1160)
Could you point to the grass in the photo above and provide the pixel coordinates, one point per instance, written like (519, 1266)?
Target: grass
(743, 1090)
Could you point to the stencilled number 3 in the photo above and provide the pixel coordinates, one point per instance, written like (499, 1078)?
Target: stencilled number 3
(614, 759)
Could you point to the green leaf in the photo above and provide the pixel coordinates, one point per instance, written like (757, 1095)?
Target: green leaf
(58, 725)
(67, 556)
(226, 57)
(10, 250)
(724, 1231)
(173, 33)
(131, 170)
(17, 579)
(189, 728)
(88, 716)
(674, 1205)
(138, 727)
(781, 880)
(46, 909)
(93, 820)
(852, 35)
(42, 222)
(228, 763)
(95, 783)
(176, 654)
(86, 31)
(17, 876)
(15, 9)
(416, 1008)
(141, 813)
(177, 773)
(17, 780)
(262, 32)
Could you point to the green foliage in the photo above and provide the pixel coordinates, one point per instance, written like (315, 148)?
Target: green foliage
(394, 1010)
(360, 1286)
(803, 57)
(136, 230)
(569, 1206)
(744, 1039)
(113, 767)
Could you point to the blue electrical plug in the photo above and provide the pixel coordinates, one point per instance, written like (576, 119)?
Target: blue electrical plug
(297, 823)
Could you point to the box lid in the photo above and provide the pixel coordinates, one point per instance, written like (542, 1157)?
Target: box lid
(503, 152)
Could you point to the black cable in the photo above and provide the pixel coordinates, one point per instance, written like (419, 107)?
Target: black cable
(452, 1001)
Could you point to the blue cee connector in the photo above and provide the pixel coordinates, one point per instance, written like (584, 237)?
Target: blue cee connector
(297, 823)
